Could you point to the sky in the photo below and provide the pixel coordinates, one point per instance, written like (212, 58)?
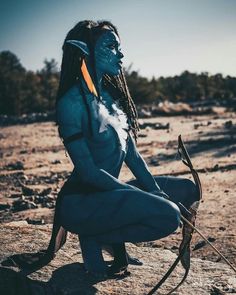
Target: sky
(158, 37)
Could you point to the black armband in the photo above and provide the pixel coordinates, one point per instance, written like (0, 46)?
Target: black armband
(73, 137)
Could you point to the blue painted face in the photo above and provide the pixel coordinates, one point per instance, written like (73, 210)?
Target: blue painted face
(108, 54)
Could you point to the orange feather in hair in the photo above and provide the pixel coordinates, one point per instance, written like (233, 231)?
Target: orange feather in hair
(88, 79)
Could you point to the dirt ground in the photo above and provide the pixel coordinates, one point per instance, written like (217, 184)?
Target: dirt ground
(32, 156)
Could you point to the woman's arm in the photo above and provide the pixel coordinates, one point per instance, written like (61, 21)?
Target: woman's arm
(89, 173)
(69, 117)
(139, 168)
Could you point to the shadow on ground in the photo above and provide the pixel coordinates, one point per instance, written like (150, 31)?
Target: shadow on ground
(221, 142)
(69, 279)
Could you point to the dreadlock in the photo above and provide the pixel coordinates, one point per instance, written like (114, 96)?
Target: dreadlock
(89, 31)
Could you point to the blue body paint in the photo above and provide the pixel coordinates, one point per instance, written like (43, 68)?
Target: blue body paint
(101, 208)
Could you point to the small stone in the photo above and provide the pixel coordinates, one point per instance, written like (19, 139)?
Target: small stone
(216, 291)
(49, 205)
(199, 245)
(211, 239)
(174, 248)
(23, 152)
(35, 221)
(45, 192)
(216, 167)
(142, 135)
(16, 166)
(144, 113)
(27, 191)
(162, 126)
(4, 206)
(15, 195)
(228, 124)
(56, 162)
(154, 162)
(20, 205)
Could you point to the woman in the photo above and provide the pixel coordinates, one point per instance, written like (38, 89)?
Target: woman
(97, 121)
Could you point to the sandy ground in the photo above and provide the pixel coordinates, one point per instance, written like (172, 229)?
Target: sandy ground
(210, 140)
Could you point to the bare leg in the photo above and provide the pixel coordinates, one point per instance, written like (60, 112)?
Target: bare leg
(116, 217)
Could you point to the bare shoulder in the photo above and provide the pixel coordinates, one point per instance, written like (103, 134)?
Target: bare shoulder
(70, 106)
(71, 98)
(70, 103)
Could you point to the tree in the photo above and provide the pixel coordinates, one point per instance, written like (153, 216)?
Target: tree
(49, 78)
(12, 75)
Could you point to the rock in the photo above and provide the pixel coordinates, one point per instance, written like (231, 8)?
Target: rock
(15, 195)
(65, 274)
(27, 191)
(153, 161)
(143, 113)
(211, 239)
(15, 166)
(45, 191)
(35, 221)
(199, 245)
(142, 135)
(216, 291)
(162, 126)
(2, 136)
(216, 167)
(4, 206)
(41, 199)
(49, 205)
(155, 126)
(174, 248)
(20, 205)
(203, 243)
(23, 152)
(228, 124)
(195, 126)
(56, 162)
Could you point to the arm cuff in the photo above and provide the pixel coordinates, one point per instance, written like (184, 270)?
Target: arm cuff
(73, 137)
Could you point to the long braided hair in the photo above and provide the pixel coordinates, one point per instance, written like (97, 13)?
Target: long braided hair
(89, 31)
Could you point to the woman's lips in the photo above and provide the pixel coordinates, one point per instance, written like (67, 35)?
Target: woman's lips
(120, 64)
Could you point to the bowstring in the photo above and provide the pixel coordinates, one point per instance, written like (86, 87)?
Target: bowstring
(168, 176)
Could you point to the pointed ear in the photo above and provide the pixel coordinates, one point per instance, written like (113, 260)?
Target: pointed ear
(81, 45)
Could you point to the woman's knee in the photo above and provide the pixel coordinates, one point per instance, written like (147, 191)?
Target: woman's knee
(191, 189)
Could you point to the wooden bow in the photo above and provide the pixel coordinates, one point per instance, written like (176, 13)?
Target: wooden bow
(187, 232)
(188, 227)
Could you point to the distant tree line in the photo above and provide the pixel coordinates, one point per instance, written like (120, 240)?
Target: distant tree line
(23, 91)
